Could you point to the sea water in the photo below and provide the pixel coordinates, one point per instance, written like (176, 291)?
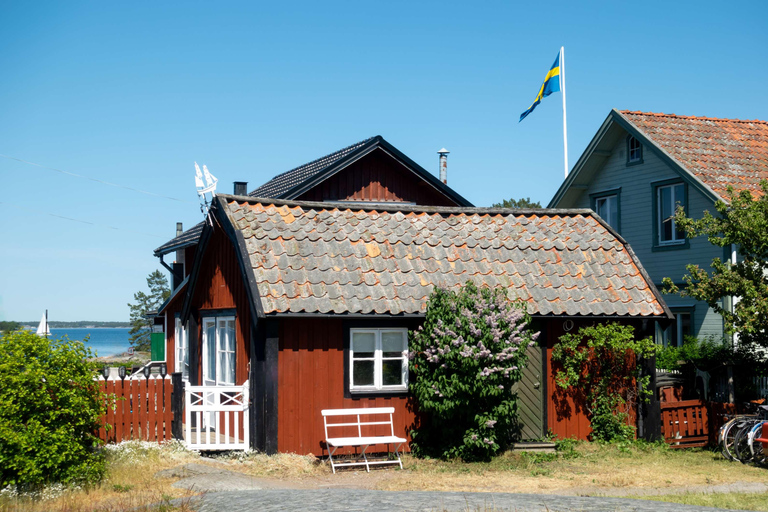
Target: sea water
(103, 341)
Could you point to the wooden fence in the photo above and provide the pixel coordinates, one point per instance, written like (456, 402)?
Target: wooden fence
(141, 408)
(691, 423)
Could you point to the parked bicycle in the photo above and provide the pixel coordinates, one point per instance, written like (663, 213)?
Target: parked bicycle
(745, 437)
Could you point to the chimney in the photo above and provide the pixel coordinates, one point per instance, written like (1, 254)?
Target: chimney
(443, 165)
(177, 275)
(241, 188)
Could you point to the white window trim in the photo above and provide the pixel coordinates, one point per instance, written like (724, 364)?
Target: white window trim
(660, 220)
(206, 321)
(609, 207)
(182, 350)
(378, 360)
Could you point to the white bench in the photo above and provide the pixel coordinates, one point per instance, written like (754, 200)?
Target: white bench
(334, 443)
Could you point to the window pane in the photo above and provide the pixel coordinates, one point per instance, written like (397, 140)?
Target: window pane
(392, 372)
(362, 373)
(210, 350)
(392, 343)
(363, 343)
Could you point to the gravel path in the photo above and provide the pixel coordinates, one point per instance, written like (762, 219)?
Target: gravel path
(332, 500)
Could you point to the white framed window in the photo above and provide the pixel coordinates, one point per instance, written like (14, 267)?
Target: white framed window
(634, 151)
(668, 198)
(674, 335)
(378, 360)
(182, 350)
(219, 351)
(607, 207)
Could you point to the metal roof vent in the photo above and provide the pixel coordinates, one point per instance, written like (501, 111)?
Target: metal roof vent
(443, 165)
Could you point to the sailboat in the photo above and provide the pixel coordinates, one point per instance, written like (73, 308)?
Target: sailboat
(42, 329)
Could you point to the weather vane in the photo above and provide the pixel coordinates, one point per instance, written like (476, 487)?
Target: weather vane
(209, 187)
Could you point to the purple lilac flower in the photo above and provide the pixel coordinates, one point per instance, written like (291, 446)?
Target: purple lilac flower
(490, 423)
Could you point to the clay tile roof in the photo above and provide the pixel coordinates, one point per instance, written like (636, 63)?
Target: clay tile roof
(333, 259)
(720, 152)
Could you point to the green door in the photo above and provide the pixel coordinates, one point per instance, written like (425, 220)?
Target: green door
(530, 396)
(157, 344)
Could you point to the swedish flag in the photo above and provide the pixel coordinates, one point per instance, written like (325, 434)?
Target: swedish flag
(551, 84)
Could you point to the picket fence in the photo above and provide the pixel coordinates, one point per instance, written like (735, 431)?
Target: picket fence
(138, 409)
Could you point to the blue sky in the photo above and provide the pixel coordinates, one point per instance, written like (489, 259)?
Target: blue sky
(134, 93)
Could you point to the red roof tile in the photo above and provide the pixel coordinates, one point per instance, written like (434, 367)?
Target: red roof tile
(325, 258)
(720, 152)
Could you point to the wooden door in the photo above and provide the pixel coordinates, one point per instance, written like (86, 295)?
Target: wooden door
(530, 396)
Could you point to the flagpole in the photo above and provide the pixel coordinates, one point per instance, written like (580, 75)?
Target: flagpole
(562, 88)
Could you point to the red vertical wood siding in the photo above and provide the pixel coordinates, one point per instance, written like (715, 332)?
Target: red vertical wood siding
(377, 177)
(311, 378)
(220, 286)
(566, 417)
(170, 335)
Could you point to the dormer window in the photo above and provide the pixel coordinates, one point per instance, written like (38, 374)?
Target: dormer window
(634, 151)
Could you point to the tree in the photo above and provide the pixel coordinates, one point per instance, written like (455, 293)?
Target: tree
(50, 410)
(141, 326)
(465, 358)
(9, 326)
(598, 365)
(524, 202)
(743, 223)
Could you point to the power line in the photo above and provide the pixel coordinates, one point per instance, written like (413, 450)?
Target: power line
(82, 221)
(97, 180)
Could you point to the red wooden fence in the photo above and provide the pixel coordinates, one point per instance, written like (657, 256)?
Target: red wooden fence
(137, 409)
(685, 424)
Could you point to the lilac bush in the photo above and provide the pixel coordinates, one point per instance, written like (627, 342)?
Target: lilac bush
(464, 360)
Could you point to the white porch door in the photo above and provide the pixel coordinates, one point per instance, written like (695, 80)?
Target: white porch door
(218, 356)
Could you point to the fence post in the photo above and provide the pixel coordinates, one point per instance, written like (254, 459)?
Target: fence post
(177, 405)
(649, 413)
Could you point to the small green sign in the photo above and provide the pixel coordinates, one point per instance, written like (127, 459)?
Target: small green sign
(157, 340)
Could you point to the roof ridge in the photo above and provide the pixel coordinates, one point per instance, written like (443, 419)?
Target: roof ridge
(329, 155)
(402, 208)
(699, 118)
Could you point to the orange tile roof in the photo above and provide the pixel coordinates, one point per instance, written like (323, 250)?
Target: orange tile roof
(333, 259)
(720, 152)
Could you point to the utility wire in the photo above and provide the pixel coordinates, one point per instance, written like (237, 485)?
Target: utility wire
(82, 221)
(97, 180)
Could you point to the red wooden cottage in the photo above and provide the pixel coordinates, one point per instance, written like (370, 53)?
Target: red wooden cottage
(301, 299)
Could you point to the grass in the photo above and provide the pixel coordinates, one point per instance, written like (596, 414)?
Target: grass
(129, 485)
(736, 500)
(586, 469)
(580, 468)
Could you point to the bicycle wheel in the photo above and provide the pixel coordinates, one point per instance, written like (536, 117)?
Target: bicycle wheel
(759, 454)
(728, 436)
(741, 443)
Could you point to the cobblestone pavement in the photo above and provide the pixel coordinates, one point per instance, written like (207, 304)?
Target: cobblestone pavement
(332, 500)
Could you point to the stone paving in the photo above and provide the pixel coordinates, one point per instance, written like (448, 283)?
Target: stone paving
(333, 500)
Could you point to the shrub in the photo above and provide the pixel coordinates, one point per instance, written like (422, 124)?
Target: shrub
(465, 359)
(598, 365)
(50, 409)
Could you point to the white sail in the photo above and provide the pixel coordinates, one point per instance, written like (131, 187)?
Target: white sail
(199, 179)
(42, 329)
(210, 180)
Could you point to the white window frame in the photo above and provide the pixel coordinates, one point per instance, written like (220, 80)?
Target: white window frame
(220, 351)
(612, 203)
(660, 219)
(182, 349)
(378, 359)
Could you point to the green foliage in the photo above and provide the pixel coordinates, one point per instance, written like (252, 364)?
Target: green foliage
(465, 359)
(744, 223)
(6, 326)
(524, 202)
(50, 408)
(141, 327)
(597, 364)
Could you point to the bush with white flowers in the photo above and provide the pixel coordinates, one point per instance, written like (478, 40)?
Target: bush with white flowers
(464, 360)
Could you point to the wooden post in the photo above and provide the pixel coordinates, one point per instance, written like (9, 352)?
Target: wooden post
(271, 350)
(177, 405)
(153, 402)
